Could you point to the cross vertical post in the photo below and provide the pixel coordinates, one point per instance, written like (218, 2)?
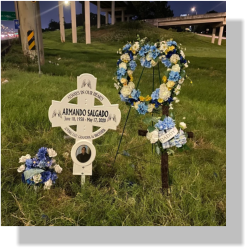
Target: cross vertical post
(164, 159)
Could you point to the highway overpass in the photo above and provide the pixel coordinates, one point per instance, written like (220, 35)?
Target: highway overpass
(216, 19)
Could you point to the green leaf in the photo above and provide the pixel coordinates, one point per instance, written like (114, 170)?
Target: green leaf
(158, 151)
(154, 119)
(170, 152)
(172, 115)
(147, 120)
(151, 128)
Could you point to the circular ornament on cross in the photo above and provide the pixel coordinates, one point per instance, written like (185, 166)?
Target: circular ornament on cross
(170, 54)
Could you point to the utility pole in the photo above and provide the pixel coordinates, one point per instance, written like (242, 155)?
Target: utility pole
(31, 22)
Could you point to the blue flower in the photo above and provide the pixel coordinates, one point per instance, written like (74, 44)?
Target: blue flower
(48, 162)
(142, 108)
(42, 164)
(170, 100)
(45, 176)
(35, 162)
(121, 72)
(169, 122)
(133, 65)
(166, 62)
(174, 76)
(160, 125)
(124, 99)
(170, 43)
(157, 104)
(131, 55)
(29, 163)
(155, 54)
(42, 153)
(126, 47)
(142, 60)
(147, 64)
(53, 176)
(147, 48)
(155, 94)
(142, 52)
(135, 94)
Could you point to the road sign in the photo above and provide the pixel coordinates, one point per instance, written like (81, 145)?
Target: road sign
(17, 25)
(8, 15)
(31, 39)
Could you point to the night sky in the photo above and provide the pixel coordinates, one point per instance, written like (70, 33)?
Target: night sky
(49, 9)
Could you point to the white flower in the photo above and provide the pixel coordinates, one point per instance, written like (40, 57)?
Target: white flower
(152, 136)
(186, 65)
(48, 184)
(150, 107)
(57, 64)
(135, 47)
(149, 57)
(176, 92)
(136, 105)
(184, 118)
(176, 101)
(176, 68)
(153, 63)
(49, 61)
(182, 125)
(23, 159)
(188, 61)
(181, 81)
(57, 168)
(163, 47)
(134, 57)
(182, 53)
(175, 98)
(178, 87)
(170, 106)
(125, 91)
(37, 178)
(123, 65)
(174, 58)
(21, 168)
(116, 85)
(129, 72)
(131, 85)
(51, 152)
(125, 57)
(164, 93)
(59, 58)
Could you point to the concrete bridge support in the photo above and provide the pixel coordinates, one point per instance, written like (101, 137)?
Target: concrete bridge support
(113, 12)
(98, 14)
(61, 18)
(220, 35)
(213, 35)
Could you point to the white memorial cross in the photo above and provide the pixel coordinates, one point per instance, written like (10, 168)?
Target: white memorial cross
(84, 115)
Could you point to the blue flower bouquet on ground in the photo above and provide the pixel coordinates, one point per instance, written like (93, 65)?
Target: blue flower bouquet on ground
(41, 169)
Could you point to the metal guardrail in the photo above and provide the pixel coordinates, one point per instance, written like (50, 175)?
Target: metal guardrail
(6, 44)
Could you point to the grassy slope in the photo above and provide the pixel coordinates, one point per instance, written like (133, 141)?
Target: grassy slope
(197, 177)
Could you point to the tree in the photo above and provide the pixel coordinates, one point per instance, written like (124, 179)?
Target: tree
(212, 11)
(83, 13)
(53, 25)
(156, 9)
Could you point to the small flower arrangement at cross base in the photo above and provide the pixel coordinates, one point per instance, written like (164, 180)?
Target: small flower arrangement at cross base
(41, 169)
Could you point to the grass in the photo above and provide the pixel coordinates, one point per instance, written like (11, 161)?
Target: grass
(128, 194)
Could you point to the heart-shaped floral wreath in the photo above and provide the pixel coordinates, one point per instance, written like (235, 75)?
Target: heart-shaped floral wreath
(149, 54)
